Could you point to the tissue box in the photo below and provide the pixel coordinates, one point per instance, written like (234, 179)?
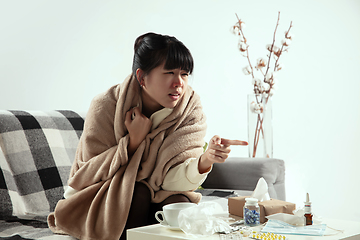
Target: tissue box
(269, 207)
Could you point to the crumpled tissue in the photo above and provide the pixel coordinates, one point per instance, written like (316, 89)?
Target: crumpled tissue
(261, 190)
(203, 219)
(295, 219)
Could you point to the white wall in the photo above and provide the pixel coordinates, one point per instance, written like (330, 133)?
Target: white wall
(59, 54)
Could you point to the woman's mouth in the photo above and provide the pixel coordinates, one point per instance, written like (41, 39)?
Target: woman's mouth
(174, 96)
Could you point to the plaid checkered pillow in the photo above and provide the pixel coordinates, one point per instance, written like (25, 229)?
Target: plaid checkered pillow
(37, 151)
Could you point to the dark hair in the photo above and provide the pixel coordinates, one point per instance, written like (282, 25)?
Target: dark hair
(151, 50)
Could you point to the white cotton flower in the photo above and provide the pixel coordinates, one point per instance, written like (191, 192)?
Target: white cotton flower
(235, 30)
(270, 77)
(268, 47)
(289, 35)
(247, 70)
(261, 88)
(276, 49)
(261, 62)
(243, 46)
(242, 25)
(266, 87)
(256, 107)
(286, 42)
(266, 95)
(256, 81)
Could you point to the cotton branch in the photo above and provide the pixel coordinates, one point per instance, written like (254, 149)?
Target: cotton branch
(247, 46)
(273, 43)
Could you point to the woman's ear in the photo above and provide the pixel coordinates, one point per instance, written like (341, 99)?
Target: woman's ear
(140, 76)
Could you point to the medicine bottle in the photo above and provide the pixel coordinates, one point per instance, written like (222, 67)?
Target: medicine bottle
(251, 212)
(308, 215)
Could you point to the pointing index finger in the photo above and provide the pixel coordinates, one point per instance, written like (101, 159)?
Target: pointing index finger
(233, 142)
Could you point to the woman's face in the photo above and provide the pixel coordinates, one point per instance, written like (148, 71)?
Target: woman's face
(163, 87)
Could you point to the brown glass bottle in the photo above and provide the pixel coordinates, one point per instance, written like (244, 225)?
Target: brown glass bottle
(308, 218)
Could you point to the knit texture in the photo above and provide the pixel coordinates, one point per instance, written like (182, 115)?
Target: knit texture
(104, 176)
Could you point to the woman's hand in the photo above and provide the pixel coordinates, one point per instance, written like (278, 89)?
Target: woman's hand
(217, 152)
(138, 127)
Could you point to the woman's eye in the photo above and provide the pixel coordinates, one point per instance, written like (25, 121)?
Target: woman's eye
(169, 72)
(185, 74)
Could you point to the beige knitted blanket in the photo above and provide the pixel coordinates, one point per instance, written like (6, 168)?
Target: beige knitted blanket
(104, 176)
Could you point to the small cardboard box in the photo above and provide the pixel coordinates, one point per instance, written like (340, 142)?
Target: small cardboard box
(269, 207)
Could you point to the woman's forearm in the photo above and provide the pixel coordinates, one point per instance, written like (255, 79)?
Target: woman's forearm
(204, 164)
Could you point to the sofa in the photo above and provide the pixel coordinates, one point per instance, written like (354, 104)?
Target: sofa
(37, 149)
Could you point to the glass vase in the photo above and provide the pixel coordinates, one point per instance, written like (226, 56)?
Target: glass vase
(260, 126)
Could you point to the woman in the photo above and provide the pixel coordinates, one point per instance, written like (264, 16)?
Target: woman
(141, 148)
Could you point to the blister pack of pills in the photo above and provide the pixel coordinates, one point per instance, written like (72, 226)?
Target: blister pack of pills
(267, 236)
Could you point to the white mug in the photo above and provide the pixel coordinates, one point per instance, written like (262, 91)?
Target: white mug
(171, 212)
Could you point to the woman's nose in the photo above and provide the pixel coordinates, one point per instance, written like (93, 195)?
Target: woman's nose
(178, 81)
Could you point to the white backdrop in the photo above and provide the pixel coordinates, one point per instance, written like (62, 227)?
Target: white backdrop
(60, 54)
